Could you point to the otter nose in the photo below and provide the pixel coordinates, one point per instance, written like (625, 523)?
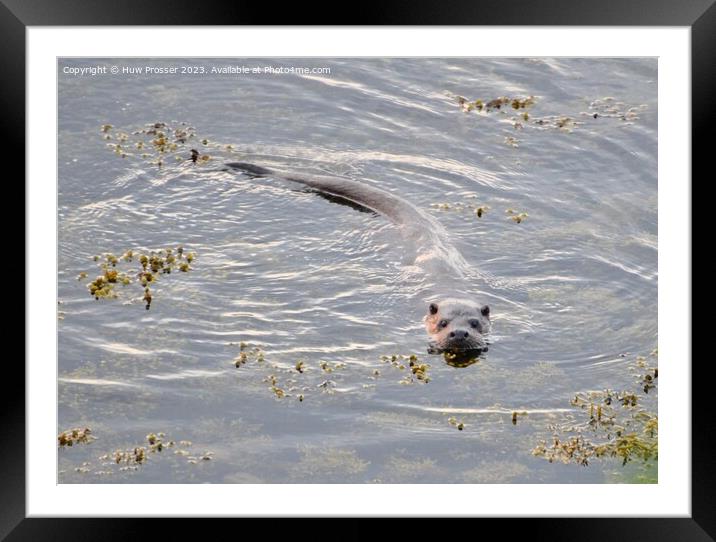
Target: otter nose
(459, 334)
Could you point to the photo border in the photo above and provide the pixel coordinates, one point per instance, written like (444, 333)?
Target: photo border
(15, 15)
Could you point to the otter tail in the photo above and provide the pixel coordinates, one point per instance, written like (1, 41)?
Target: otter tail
(251, 169)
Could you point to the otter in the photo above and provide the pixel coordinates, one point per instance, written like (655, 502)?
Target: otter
(455, 323)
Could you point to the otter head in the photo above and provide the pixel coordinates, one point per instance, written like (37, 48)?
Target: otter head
(456, 325)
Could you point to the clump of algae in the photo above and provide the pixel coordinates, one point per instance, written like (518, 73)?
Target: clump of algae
(150, 267)
(415, 370)
(156, 443)
(610, 107)
(515, 110)
(515, 216)
(475, 209)
(78, 435)
(463, 207)
(139, 454)
(248, 353)
(617, 426)
(158, 142)
(456, 423)
(496, 104)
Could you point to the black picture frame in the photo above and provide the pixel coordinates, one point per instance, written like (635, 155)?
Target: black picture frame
(699, 15)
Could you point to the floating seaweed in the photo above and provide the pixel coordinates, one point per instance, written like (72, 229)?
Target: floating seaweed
(147, 298)
(132, 458)
(280, 393)
(328, 368)
(515, 216)
(610, 107)
(515, 110)
(463, 359)
(417, 371)
(159, 142)
(152, 265)
(559, 122)
(477, 209)
(495, 104)
(618, 426)
(247, 353)
(516, 414)
(79, 435)
(455, 423)
(241, 359)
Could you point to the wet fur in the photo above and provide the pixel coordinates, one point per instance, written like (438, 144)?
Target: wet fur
(457, 325)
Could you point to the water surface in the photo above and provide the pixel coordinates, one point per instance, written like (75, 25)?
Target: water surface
(573, 287)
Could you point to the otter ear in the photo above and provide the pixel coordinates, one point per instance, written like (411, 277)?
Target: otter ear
(485, 310)
(433, 308)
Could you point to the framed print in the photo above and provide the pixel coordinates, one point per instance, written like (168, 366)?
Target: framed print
(360, 271)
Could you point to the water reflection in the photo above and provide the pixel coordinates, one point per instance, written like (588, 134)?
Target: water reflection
(465, 358)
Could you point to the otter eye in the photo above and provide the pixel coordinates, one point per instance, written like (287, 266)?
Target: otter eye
(485, 310)
(443, 323)
(433, 308)
(476, 324)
